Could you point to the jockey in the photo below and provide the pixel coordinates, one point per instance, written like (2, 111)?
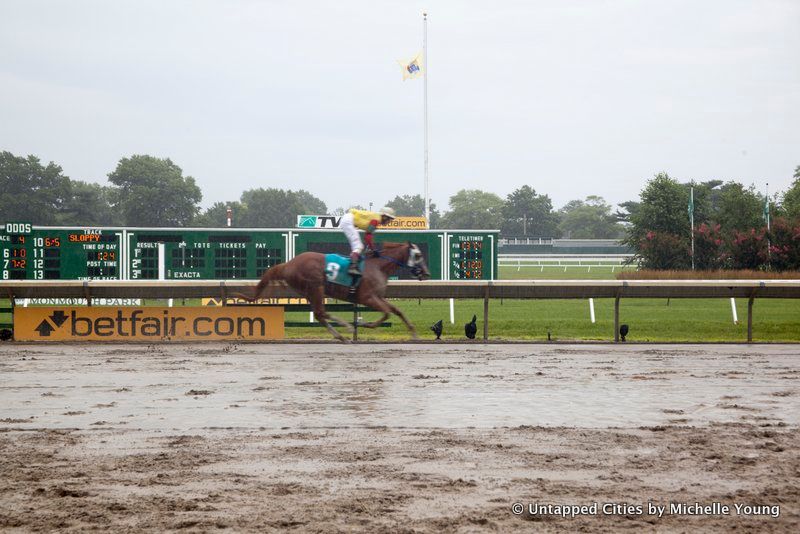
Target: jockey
(355, 220)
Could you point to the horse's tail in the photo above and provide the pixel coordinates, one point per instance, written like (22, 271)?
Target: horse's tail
(273, 274)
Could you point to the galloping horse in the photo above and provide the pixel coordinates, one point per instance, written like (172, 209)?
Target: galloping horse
(306, 274)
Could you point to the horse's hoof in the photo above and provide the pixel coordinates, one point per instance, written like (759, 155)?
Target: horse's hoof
(344, 340)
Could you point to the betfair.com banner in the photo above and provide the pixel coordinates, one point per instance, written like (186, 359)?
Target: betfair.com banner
(134, 323)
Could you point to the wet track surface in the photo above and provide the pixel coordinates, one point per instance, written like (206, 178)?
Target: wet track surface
(302, 386)
(417, 438)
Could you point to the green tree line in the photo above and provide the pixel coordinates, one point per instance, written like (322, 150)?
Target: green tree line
(147, 191)
(734, 227)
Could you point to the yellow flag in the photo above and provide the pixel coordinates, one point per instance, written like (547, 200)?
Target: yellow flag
(412, 68)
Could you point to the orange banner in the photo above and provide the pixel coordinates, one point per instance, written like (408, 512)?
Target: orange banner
(133, 323)
(407, 223)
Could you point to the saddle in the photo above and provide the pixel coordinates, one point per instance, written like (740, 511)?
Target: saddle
(336, 267)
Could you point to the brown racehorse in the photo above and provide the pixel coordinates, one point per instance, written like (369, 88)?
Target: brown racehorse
(305, 273)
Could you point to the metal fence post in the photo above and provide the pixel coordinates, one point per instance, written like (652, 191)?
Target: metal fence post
(750, 318)
(486, 314)
(355, 322)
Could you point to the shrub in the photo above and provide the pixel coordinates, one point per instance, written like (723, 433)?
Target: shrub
(661, 250)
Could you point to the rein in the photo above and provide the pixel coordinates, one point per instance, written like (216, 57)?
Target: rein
(414, 270)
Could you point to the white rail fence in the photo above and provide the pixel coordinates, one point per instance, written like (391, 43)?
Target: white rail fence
(519, 261)
(432, 289)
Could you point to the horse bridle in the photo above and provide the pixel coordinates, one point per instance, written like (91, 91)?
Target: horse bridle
(414, 269)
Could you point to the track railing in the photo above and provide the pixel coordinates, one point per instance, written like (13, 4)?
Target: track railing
(461, 289)
(562, 260)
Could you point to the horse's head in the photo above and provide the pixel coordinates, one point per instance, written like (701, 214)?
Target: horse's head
(416, 262)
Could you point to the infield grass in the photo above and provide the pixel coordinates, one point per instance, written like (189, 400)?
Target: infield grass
(679, 320)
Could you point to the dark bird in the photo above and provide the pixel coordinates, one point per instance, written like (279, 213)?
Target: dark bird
(623, 331)
(6, 334)
(437, 329)
(470, 329)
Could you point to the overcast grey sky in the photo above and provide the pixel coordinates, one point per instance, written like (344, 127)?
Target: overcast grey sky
(571, 97)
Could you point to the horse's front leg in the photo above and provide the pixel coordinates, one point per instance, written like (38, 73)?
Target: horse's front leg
(387, 307)
(341, 322)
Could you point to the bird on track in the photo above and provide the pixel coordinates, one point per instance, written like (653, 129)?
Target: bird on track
(623, 331)
(470, 329)
(437, 329)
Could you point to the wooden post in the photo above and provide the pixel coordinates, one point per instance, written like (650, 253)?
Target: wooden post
(13, 309)
(750, 319)
(486, 314)
(86, 293)
(616, 319)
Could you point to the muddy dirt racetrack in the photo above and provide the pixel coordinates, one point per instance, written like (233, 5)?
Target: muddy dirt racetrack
(400, 438)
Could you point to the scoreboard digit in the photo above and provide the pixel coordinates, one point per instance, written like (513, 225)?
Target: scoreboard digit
(471, 256)
(51, 254)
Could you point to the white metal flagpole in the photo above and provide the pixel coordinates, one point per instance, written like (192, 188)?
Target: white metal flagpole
(425, 108)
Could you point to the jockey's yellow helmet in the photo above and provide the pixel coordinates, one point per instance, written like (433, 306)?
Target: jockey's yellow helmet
(388, 212)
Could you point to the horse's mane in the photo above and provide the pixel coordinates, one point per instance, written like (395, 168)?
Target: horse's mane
(389, 244)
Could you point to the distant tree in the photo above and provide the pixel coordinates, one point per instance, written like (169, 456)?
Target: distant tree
(626, 211)
(791, 198)
(154, 192)
(29, 191)
(527, 213)
(713, 189)
(217, 215)
(662, 250)
(738, 208)
(473, 209)
(784, 245)
(589, 219)
(414, 206)
(89, 205)
(311, 205)
(659, 229)
(748, 249)
(709, 247)
(277, 208)
(662, 208)
(338, 212)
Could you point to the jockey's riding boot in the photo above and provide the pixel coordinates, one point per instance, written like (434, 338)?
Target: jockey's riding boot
(353, 270)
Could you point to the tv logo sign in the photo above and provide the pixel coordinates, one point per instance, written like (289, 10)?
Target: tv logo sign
(318, 221)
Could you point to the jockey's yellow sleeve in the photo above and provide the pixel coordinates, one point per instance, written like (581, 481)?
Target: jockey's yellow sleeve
(367, 221)
(363, 219)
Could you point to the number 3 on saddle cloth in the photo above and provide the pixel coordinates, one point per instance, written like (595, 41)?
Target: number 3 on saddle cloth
(336, 270)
